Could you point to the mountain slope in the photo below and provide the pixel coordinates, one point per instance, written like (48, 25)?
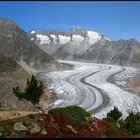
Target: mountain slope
(122, 52)
(14, 43)
(12, 74)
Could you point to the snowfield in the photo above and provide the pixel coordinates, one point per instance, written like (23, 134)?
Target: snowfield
(86, 85)
(94, 37)
(64, 39)
(43, 39)
(77, 39)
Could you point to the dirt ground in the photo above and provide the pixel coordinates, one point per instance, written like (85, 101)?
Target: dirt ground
(6, 115)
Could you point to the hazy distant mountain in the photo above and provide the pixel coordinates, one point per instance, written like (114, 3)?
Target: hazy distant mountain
(85, 45)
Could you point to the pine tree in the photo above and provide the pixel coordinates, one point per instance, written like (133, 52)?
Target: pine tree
(32, 92)
(115, 114)
(132, 123)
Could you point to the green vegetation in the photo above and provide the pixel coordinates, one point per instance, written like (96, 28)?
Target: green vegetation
(74, 114)
(112, 130)
(32, 92)
(71, 121)
(132, 123)
(115, 114)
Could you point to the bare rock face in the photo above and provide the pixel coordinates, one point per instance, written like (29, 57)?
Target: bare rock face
(14, 43)
(86, 45)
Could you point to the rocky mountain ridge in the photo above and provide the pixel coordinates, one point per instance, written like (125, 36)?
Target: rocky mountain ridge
(75, 39)
(90, 46)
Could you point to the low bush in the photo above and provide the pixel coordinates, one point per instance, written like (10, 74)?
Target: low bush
(132, 123)
(74, 114)
(115, 114)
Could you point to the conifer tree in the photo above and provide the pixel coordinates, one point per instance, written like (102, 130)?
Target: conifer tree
(115, 114)
(32, 92)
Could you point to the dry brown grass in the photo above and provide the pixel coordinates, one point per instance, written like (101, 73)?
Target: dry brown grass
(6, 115)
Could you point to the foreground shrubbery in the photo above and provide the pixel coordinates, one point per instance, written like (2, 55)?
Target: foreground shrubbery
(132, 123)
(74, 115)
(75, 122)
(115, 114)
(72, 122)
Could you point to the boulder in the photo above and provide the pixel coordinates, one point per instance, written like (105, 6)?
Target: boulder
(35, 128)
(44, 132)
(20, 127)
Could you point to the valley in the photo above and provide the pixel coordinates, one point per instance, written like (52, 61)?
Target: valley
(87, 86)
(69, 70)
(79, 67)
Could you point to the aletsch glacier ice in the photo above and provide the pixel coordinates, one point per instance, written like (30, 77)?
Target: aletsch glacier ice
(86, 85)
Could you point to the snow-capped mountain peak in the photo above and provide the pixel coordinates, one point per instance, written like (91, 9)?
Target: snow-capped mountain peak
(75, 40)
(64, 39)
(43, 39)
(32, 32)
(75, 34)
(94, 37)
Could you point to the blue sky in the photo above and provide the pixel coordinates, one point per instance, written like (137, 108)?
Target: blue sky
(116, 20)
